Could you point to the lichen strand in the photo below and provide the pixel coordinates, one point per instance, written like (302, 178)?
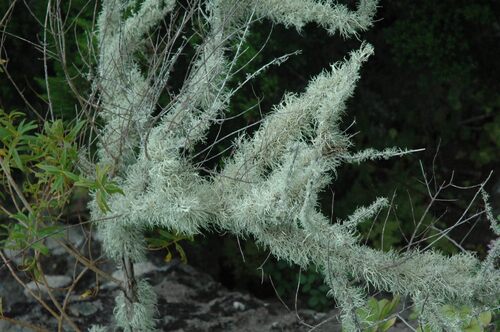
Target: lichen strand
(268, 189)
(334, 18)
(137, 316)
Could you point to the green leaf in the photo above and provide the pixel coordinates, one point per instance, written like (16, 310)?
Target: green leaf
(157, 242)
(385, 326)
(167, 235)
(449, 310)
(423, 329)
(50, 231)
(17, 160)
(101, 174)
(21, 217)
(101, 201)
(313, 301)
(24, 128)
(382, 307)
(485, 318)
(386, 308)
(473, 327)
(40, 247)
(372, 305)
(84, 183)
(75, 130)
(113, 189)
(58, 184)
(49, 168)
(168, 256)
(16, 235)
(71, 176)
(181, 252)
(4, 134)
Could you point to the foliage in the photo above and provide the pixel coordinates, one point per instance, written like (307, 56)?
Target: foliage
(158, 183)
(102, 187)
(53, 84)
(311, 285)
(161, 239)
(448, 55)
(467, 320)
(377, 315)
(44, 163)
(40, 173)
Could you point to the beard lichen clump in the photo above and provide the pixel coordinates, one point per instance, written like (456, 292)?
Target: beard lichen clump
(268, 188)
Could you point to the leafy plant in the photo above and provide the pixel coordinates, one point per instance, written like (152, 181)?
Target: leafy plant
(101, 186)
(286, 279)
(377, 315)
(38, 173)
(463, 317)
(162, 239)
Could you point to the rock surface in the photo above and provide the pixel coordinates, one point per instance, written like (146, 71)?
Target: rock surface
(55, 283)
(189, 300)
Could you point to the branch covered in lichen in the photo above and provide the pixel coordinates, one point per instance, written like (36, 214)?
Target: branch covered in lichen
(268, 189)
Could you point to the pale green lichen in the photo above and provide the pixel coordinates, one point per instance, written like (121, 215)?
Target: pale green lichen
(333, 17)
(268, 189)
(137, 316)
(98, 328)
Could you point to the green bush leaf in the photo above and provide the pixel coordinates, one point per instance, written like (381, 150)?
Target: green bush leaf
(40, 247)
(385, 326)
(101, 201)
(181, 252)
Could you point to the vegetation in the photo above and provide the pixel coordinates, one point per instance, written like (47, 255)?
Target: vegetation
(446, 75)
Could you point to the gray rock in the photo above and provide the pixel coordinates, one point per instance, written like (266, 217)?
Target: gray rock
(174, 292)
(140, 269)
(85, 308)
(239, 306)
(10, 292)
(188, 300)
(15, 256)
(73, 235)
(55, 283)
(6, 326)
